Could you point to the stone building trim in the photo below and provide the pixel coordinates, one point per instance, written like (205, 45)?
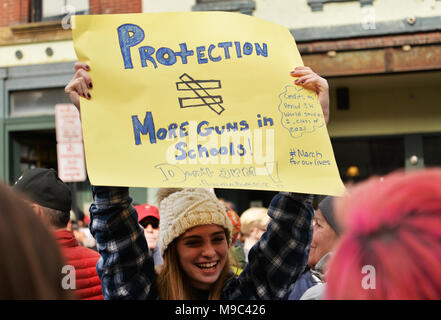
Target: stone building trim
(317, 5)
(404, 26)
(242, 6)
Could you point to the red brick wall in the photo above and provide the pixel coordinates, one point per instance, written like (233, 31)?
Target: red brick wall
(114, 6)
(14, 12)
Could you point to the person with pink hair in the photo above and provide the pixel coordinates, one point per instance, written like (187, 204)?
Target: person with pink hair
(391, 247)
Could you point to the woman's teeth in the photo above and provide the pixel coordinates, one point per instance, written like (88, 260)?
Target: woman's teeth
(207, 265)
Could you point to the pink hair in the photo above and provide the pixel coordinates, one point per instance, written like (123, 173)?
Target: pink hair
(394, 225)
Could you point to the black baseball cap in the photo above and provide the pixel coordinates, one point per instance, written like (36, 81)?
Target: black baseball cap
(45, 188)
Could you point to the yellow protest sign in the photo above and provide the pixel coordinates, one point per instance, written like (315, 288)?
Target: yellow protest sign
(200, 99)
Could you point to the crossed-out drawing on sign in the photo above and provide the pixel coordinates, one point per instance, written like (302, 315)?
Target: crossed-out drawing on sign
(203, 98)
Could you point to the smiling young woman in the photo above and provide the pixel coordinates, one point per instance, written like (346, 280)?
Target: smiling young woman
(203, 256)
(194, 238)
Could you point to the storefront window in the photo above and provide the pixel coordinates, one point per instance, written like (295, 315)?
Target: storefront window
(36, 102)
(359, 158)
(32, 149)
(432, 151)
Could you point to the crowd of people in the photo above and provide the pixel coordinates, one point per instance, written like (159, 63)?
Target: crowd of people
(380, 240)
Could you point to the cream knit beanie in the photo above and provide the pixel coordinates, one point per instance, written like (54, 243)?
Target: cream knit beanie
(186, 209)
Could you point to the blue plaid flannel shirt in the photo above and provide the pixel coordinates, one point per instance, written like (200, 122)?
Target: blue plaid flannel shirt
(126, 267)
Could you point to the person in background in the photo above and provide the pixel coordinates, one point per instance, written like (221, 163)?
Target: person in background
(254, 222)
(31, 262)
(391, 246)
(148, 218)
(325, 238)
(80, 231)
(50, 198)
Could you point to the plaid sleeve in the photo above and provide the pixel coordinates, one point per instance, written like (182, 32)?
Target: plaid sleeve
(280, 255)
(126, 268)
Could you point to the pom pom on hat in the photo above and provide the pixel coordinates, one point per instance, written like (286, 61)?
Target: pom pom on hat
(235, 222)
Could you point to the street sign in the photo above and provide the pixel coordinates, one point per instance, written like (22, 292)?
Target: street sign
(71, 161)
(70, 151)
(67, 123)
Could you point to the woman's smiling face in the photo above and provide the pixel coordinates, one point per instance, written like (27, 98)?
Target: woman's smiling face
(203, 252)
(324, 239)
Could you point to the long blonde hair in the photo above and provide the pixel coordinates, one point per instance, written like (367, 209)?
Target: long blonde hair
(172, 284)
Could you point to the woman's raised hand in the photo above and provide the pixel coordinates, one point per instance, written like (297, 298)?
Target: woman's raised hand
(312, 81)
(80, 84)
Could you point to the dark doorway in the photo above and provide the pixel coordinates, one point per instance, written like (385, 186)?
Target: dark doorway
(432, 150)
(32, 149)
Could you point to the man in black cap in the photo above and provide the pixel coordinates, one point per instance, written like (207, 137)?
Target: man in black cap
(325, 238)
(51, 200)
(50, 197)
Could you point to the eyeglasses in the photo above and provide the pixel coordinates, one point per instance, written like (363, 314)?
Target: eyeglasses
(150, 221)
